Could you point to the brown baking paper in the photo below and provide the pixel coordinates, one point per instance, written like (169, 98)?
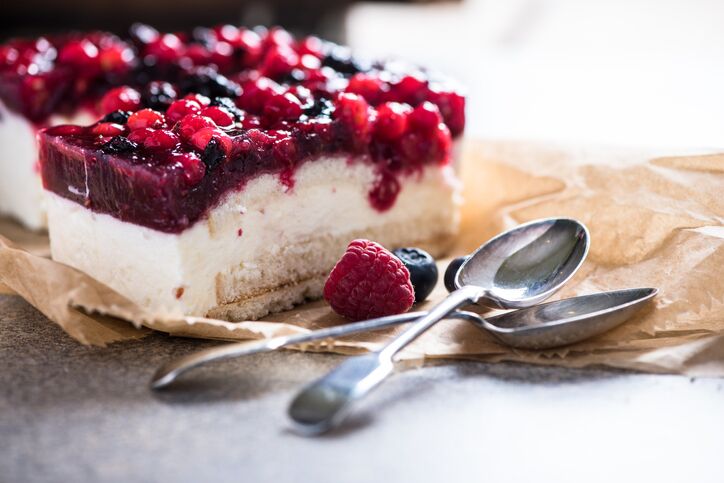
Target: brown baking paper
(656, 220)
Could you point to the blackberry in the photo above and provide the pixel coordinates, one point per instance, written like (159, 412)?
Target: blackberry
(228, 104)
(213, 154)
(118, 145)
(158, 95)
(203, 36)
(451, 272)
(207, 82)
(341, 60)
(321, 107)
(117, 117)
(422, 268)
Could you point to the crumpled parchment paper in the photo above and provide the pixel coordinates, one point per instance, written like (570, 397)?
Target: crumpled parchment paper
(656, 220)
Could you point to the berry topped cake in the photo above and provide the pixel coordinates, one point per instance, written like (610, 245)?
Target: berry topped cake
(233, 192)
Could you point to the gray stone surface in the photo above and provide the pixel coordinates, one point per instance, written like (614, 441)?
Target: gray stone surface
(74, 413)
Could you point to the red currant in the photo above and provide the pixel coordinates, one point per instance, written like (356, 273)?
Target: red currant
(353, 110)
(179, 109)
(219, 115)
(145, 118)
(107, 129)
(192, 167)
(161, 139)
(167, 48)
(122, 98)
(425, 117)
(139, 135)
(187, 126)
(391, 120)
(201, 138)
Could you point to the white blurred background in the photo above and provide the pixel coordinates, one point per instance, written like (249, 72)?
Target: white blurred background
(645, 73)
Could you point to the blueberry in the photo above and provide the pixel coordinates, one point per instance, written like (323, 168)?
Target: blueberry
(423, 270)
(451, 271)
(213, 154)
(158, 95)
(119, 144)
(207, 82)
(118, 117)
(228, 104)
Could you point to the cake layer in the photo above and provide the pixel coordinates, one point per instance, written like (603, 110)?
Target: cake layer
(261, 249)
(21, 192)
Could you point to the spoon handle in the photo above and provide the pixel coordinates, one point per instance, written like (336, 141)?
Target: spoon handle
(170, 371)
(324, 403)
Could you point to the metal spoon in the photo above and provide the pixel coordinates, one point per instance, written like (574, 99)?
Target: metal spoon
(518, 268)
(170, 371)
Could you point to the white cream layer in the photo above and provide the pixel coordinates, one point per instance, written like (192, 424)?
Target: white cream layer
(242, 235)
(21, 193)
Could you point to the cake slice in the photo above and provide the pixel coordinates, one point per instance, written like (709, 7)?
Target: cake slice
(235, 207)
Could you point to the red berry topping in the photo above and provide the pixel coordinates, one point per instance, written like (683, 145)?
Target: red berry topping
(279, 61)
(311, 46)
(122, 98)
(219, 115)
(167, 48)
(282, 107)
(452, 108)
(116, 58)
(391, 121)
(180, 109)
(410, 89)
(354, 111)
(367, 282)
(367, 86)
(201, 100)
(145, 118)
(161, 139)
(139, 135)
(192, 167)
(78, 53)
(201, 138)
(192, 123)
(107, 129)
(425, 117)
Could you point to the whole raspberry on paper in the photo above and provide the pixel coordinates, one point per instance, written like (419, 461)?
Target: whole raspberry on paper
(368, 282)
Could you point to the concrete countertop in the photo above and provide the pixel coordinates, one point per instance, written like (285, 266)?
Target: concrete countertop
(75, 413)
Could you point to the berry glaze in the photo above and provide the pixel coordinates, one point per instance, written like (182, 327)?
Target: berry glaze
(233, 104)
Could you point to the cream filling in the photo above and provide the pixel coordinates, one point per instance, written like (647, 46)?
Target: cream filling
(240, 248)
(21, 191)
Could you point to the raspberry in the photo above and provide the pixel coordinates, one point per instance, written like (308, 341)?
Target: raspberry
(367, 282)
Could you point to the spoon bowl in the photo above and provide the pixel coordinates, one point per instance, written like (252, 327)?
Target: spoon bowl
(526, 265)
(567, 321)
